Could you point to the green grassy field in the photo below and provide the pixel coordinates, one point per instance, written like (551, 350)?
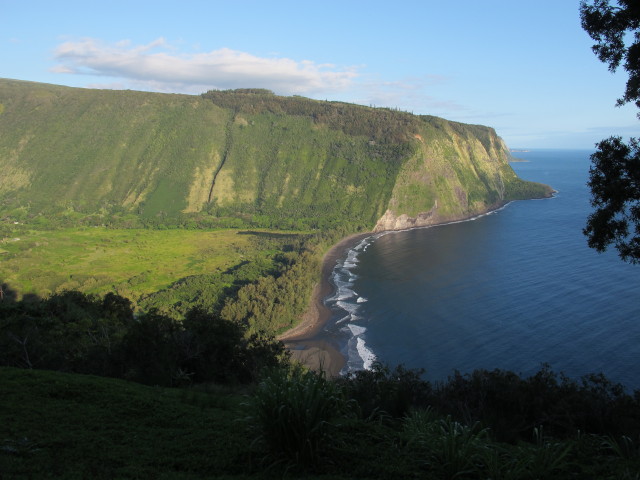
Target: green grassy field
(131, 262)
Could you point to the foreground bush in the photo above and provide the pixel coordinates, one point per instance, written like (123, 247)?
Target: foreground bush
(294, 411)
(514, 406)
(55, 425)
(382, 391)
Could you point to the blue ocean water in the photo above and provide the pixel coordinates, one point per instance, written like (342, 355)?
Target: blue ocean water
(512, 290)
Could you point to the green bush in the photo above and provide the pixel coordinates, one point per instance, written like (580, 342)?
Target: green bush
(294, 411)
(446, 447)
(381, 391)
(513, 406)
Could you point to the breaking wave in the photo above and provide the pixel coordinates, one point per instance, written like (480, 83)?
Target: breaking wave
(346, 303)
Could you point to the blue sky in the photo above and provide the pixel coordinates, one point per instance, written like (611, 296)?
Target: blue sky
(524, 67)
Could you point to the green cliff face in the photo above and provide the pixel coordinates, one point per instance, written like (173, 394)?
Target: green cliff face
(244, 153)
(457, 171)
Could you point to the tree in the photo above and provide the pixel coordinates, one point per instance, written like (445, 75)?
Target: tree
(615, 169)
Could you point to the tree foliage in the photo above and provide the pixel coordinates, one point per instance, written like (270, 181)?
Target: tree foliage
(80, 333)
(609, 25)
(615, 171)
(615, 187)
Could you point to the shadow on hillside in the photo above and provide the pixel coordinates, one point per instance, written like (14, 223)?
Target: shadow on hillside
(9, 295)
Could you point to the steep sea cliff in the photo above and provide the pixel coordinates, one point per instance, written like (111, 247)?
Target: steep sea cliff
(284, 162)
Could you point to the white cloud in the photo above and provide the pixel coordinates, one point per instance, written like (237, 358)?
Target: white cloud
(159, 66)
(155, 66)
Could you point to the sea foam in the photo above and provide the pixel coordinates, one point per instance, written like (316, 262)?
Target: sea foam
(345, 299)
(359, 355)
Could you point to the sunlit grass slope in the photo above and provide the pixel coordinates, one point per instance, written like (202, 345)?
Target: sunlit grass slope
(132, 262)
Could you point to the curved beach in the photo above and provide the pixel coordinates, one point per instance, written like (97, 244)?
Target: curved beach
(301, 340)
(320, 355)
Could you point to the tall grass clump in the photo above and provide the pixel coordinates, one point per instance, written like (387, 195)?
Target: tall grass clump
(293, 411)
(447, 448)
(545, 457)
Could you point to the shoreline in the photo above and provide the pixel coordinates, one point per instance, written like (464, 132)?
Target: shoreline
(320, 355)
(317, 354)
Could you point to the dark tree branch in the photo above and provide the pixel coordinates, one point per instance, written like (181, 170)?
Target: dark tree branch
(615, 169)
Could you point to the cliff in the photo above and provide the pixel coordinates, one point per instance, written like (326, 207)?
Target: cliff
(248, 154)
(456, 172)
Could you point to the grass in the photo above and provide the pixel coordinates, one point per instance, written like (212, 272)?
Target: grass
(55, 425)
(58, 425)
(134, 262)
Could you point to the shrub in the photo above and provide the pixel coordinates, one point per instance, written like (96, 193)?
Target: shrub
(294, 411)
(513, 406)
(382, 391)
(446, 447)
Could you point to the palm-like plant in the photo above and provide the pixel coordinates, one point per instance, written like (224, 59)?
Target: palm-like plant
(293, 410)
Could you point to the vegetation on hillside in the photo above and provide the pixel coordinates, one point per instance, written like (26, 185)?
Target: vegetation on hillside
(168, 335)
(295, 424)
(260, 279)
(176, 331)
(241, 158)
(75, 332)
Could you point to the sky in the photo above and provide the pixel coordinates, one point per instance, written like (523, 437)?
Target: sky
(523, 67)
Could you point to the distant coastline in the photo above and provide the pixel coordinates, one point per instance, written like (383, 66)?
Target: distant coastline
(518, 150)
(445, 299)
(302, 340)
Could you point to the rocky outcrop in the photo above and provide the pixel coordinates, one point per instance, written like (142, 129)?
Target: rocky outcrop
(391, 221)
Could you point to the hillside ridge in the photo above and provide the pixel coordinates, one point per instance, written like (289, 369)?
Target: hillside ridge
(248, 154)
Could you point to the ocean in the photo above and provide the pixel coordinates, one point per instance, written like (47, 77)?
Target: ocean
(513, 289)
